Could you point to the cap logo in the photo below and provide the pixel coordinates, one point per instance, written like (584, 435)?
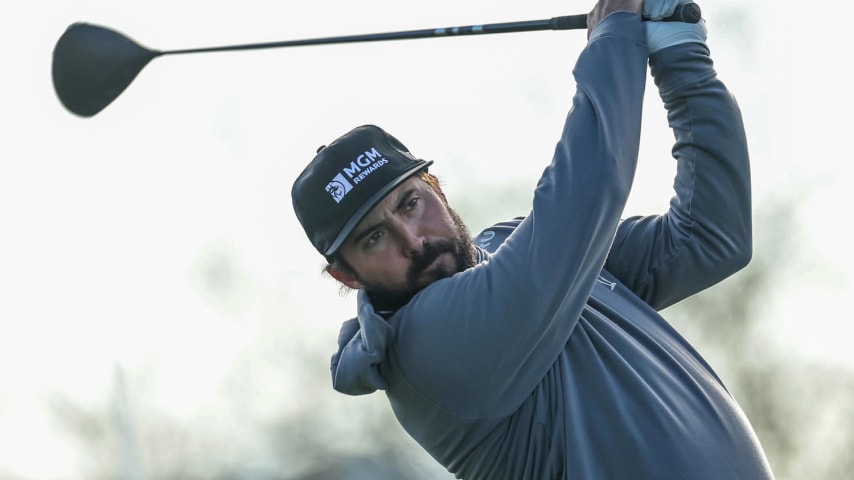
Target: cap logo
(358, 170)
(338, 187)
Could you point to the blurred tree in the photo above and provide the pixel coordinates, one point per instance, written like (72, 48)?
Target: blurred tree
(277, 417)
(793, 404)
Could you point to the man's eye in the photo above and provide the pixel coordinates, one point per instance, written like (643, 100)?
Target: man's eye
(411, 203)
(374, 238)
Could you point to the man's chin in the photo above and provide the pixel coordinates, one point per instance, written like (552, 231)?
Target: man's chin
(386, 300)
(443, 267)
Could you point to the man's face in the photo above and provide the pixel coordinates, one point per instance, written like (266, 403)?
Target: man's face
(408, 241)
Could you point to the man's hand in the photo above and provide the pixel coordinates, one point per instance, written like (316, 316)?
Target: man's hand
(661, 35)
(603, 8)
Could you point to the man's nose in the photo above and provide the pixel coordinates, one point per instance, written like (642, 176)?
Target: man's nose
(412, 240)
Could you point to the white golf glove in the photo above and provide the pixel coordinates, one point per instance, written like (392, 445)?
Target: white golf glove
(661, 35)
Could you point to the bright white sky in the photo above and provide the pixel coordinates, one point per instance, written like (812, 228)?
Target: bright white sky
(105, 220)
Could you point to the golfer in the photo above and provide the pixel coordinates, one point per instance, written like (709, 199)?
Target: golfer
(536, 351)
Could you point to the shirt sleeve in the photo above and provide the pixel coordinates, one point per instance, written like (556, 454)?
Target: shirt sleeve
(706, 234)
(478, 343)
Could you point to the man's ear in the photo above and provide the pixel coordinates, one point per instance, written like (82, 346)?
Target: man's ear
(347, 278)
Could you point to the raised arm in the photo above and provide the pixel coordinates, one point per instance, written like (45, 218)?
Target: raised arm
(706, 234)
(479, 342)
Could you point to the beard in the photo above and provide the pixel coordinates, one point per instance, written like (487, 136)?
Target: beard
(386, 298)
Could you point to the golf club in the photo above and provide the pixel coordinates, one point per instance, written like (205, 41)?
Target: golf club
(92, 65)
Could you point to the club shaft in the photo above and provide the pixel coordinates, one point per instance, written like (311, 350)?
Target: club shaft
(689, 12)
(556, 23)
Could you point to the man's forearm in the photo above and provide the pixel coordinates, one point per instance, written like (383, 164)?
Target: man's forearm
(706, 235)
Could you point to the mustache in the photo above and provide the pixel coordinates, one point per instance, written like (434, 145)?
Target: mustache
(427, 255)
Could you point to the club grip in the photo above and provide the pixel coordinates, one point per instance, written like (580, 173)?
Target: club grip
(687, 12)
(569, 22)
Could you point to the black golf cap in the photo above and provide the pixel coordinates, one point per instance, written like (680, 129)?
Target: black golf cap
(345, 180)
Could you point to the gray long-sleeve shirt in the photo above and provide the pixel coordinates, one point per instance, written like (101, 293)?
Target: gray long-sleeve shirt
(548, 359)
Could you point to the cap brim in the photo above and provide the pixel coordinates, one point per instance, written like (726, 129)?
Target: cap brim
(370, 203)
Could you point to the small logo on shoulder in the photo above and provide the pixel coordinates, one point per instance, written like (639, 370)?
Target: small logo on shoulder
(338, 188)
(607, 283)
(485, 239)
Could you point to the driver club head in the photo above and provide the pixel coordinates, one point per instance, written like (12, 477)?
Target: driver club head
(92, 65)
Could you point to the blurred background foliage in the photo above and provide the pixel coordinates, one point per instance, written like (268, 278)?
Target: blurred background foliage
(275, 416)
